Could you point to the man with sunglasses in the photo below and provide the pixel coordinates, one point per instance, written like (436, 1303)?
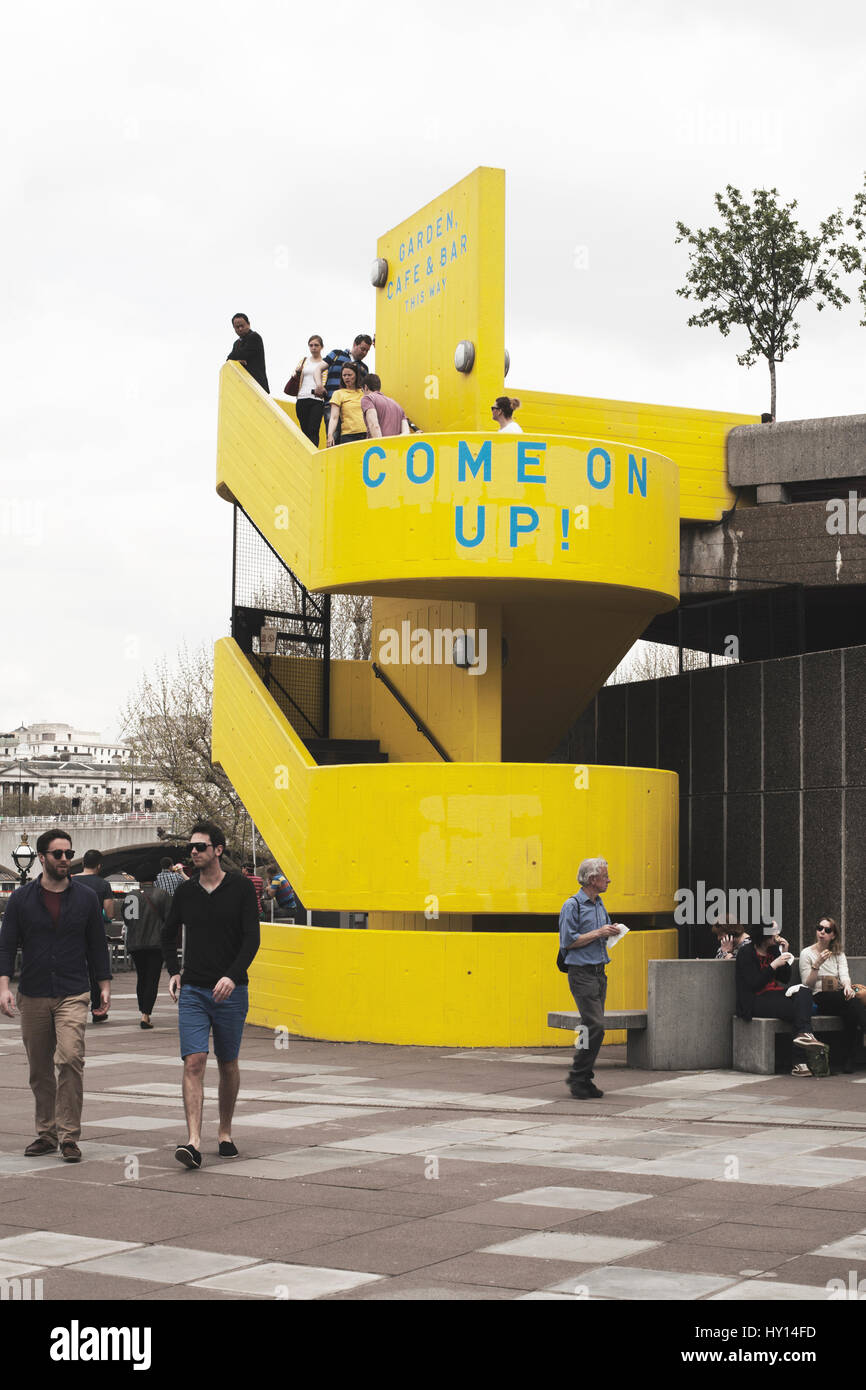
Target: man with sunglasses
(220, 917)
(57, 922)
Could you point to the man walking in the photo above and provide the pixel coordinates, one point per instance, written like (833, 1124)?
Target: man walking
(382, 415)
(220, 916)
(58, 924)
(584, 927)
(91, 877)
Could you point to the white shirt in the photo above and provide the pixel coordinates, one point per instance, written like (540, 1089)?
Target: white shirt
(511, 428)
(309, 379)
(835, 967)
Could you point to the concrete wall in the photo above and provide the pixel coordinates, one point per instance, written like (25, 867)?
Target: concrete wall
(104, 837)
(771, 758)
(787, 543)
(797, 451)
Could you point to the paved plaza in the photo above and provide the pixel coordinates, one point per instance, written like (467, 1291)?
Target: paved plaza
(374, 1172)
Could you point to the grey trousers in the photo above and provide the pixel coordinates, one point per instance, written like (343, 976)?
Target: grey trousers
(588, 985)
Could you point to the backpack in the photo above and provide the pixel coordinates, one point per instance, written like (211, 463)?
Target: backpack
(560, 955)
(818, 1060)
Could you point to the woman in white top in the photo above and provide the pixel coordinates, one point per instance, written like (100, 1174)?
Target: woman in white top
(824, 970)
(502, 410)
(310, 404)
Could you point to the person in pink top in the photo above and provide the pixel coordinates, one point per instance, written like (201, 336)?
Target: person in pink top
(382, 416)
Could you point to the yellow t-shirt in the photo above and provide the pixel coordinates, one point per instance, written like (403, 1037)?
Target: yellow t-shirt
(351, 414)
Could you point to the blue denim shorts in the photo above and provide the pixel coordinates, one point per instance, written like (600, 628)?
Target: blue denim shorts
(198, 1012)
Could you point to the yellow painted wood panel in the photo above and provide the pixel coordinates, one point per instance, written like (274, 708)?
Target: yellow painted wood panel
(479, 837)
(694, 439)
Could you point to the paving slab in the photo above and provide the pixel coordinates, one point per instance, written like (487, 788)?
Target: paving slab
(632, 1282)
(503, 1271)
(443, 1162)
(753, 1290)
(408, 1289)
(781, 1237)
(705, 1259)
(553, 1245)
(275, 1237)
(286, 1281)
(399, 1249)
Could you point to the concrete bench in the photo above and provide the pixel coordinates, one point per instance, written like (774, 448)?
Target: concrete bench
(754, 1043)
(687, 1023)
(633, 1021)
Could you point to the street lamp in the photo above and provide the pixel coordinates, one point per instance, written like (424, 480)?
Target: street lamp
(24, 856)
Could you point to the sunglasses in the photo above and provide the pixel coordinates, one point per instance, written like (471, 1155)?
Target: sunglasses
(62, 853)
(198, 847)
(826, 931)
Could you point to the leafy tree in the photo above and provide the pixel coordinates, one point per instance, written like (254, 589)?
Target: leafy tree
(168, 722)
(858, 222)
(758, 268)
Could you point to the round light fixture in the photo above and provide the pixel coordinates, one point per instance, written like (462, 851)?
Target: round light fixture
(464, 355)
(379, 273)
(507, 361)
(24, 856)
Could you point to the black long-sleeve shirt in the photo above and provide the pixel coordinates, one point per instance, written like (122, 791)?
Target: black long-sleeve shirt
(250, 350)
(54, 960)
(753, 974)
(222, 931)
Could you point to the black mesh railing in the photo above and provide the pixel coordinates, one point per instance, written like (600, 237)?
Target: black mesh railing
(271, 607)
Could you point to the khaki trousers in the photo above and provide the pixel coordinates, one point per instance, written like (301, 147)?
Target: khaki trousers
(53, 1034)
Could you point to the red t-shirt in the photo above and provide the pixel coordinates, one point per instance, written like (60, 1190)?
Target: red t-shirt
(773, 983)
(51, 903)
(258, 884)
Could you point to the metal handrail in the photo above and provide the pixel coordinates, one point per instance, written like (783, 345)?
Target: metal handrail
(413, 715)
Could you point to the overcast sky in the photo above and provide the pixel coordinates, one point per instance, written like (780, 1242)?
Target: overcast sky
(166, 166)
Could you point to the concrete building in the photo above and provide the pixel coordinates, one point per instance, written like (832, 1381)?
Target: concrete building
(86, 770)
(770, 752)
(44, 740)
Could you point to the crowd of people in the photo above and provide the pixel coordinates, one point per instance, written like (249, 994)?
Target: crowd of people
(337, 390)
(774, 983)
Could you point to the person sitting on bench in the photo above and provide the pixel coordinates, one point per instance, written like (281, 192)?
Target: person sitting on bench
(763, 972)
(824, 972)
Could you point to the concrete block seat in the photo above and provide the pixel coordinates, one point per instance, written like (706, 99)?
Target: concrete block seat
(754, 1044)
(690, 1022)
(755, 1041)
(634, 1021)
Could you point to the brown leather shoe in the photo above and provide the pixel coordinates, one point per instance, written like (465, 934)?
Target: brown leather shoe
(40, 1146)
(70, 1152)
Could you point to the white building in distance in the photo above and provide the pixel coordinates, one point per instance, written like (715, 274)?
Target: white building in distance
(84, 769)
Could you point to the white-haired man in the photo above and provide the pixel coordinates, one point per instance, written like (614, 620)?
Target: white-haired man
(584, 927)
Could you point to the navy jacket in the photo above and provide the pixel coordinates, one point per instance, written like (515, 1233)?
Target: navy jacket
(54, 962)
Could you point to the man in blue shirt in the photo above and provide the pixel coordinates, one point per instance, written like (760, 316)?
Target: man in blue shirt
(584, 927)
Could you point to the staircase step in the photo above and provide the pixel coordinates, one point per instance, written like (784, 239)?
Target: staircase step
(329, 751)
